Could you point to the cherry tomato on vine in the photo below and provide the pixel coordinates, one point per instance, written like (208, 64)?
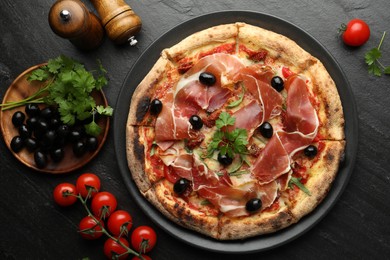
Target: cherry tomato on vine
(355, 33)
(113, 249)
(88, 181)
(103, 204)
(144, 256)
(90, 229)
(65, 194)
(143, 239)
(120, 222)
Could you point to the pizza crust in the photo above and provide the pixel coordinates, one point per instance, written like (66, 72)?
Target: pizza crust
(329, 107)
(321, 176)
(145, 92)
(135, 153)
(179, 211)
(202, 41)
(282, 50)
(257, 224)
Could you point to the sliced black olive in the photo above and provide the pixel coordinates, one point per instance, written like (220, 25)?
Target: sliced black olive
(57, 154)
(253, 205)
(196, 122)
(40, 159)
(92, 143)
(181, 186)
(225, 159)
(32, 110)
(207, 78)
(24, 131)
(31, 144)
(310, 151)
(17, 144)
(155, 107)
(18, 118)
(266, 130)
(47, 113)
(277, 83)
(79, 148)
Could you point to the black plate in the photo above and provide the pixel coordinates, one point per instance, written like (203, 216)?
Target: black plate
(145, 63)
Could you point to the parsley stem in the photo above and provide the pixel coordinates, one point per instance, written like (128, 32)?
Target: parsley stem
(383, 38)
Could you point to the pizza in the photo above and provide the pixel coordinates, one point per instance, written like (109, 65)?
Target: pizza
(235, 132)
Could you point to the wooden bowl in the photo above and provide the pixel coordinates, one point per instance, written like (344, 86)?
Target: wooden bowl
(22, 88)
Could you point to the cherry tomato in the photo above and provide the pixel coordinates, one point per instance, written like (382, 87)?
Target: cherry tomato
(65, 194)
(90, 229)
(356, 33)
(143, 239)
(103, 204)
(144, 256)
(112, 249)
(88, 181)
(120, 222)
(287, 72)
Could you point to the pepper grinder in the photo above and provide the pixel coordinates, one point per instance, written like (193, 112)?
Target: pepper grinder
(119, 20)
(71, 19)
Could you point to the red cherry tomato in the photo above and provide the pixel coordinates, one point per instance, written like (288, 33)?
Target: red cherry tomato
(356, 33)
(287, 72)
(112, 249)
(88, 181)
(103, 204)
(144, 256)
(143, 239)
(90, 229)
(65, 194)
(120, 222)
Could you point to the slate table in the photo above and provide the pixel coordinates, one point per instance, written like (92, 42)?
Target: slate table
(357, 227)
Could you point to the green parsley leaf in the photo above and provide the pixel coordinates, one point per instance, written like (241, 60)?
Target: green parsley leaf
(106, 111)
(297, 182)
(93, 129)
(39, 75)
(227, 142)
(372, 55)
(375, 67)
(225, 119)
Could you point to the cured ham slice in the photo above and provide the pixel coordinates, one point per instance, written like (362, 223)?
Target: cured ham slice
(248, 117)
(179, 160)
(272, 162)
(301, 126)
(301, 115)
(257, 83)
(190, 92)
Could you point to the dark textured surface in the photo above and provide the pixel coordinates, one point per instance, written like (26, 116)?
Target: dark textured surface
(357, 227)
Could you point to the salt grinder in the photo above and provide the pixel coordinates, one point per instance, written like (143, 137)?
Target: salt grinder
(119, 20)
(71, 19)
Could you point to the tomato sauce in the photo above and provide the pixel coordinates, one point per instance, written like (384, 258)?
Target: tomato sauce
(257, 56)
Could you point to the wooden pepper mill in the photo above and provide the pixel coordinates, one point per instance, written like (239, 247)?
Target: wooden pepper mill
(71, 19)
(119, 20)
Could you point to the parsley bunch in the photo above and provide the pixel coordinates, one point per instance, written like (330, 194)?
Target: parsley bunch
(372, 57)
(68, 86)
(228, 142)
